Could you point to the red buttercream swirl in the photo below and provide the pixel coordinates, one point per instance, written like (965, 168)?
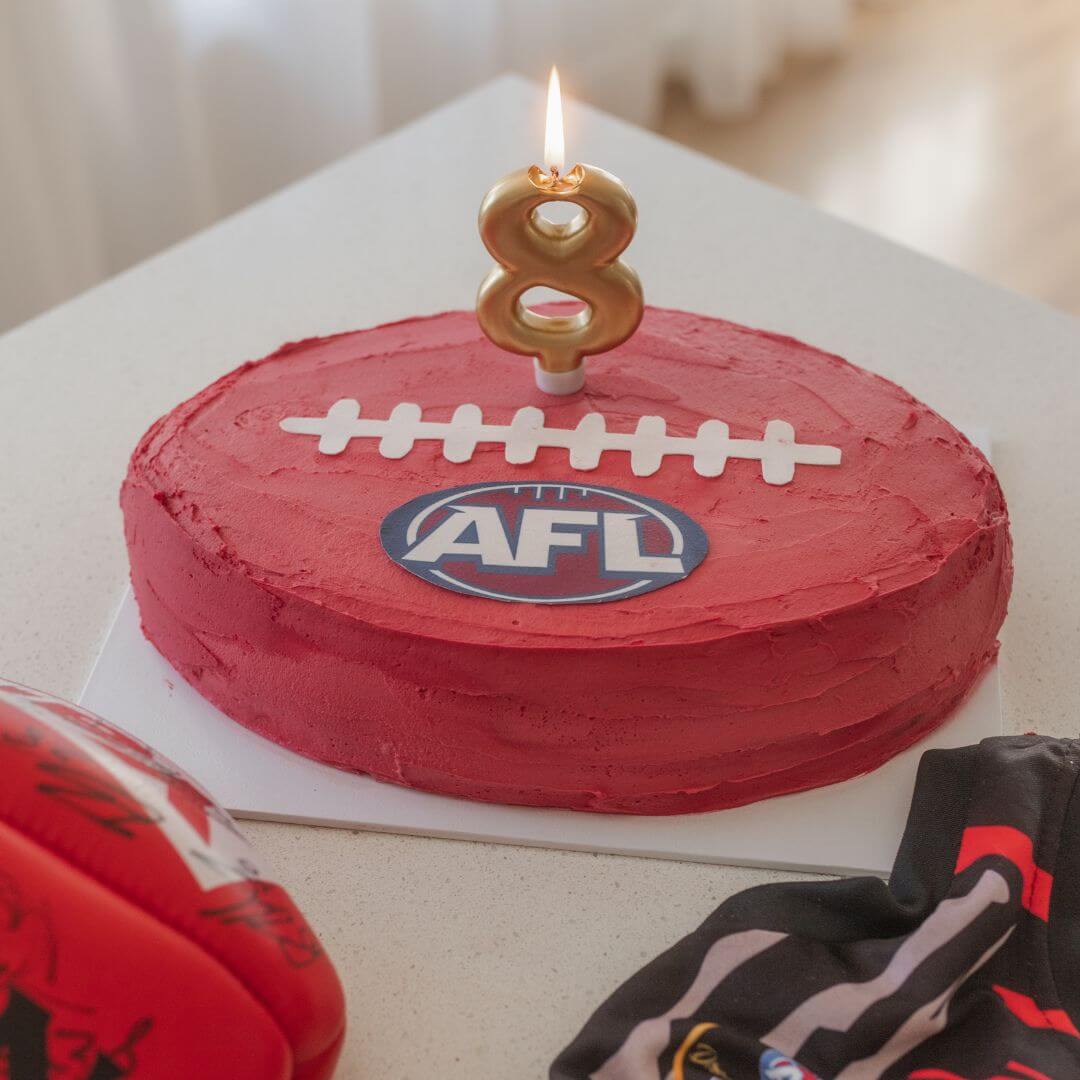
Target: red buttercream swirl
(835, 620)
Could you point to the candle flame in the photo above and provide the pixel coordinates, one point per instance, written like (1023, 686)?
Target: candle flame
(554, 143)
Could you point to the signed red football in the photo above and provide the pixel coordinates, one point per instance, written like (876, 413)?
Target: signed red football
(733, 566)
(138, 937)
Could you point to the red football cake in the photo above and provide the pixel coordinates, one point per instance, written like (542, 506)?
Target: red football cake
(732, 567)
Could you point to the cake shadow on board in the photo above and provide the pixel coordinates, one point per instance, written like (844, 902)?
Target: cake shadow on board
(850, 827)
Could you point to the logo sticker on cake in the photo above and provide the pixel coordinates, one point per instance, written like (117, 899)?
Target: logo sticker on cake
(548, 542)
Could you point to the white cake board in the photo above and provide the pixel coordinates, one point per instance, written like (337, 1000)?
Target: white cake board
(852, 827)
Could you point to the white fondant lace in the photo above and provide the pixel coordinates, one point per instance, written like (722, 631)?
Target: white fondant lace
(648, 444)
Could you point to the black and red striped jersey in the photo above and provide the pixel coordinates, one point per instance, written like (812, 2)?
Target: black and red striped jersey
(965, 966)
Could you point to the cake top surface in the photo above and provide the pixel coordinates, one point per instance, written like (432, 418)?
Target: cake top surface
(909, 490)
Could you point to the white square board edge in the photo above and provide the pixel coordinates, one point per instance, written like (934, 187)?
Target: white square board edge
(851, 827)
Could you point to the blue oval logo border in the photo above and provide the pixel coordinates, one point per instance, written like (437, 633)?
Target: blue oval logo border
(399, 531)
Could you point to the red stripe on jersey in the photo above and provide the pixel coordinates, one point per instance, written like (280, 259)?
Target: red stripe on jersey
(1014, 1068)
(1026, 1070)
(1039, 902)
(980, 840)
(1025, 1009)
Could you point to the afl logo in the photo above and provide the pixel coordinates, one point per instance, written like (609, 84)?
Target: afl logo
(543, 543)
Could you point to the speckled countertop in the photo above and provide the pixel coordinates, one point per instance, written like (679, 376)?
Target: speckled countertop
(471, 960)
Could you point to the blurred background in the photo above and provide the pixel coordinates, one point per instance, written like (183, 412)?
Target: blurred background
(952, 126)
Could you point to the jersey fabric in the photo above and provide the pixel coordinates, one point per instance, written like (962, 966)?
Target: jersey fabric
(963, 967)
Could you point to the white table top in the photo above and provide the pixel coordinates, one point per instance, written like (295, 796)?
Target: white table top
(461, 959)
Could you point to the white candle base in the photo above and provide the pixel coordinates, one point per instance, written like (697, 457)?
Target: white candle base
(559, 382)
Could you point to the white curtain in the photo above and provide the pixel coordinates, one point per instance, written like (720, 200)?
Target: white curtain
(125, 125)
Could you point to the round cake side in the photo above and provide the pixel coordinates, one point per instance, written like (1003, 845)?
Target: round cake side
(834, 620)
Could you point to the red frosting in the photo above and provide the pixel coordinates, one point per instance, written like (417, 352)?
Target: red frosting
(835, 620)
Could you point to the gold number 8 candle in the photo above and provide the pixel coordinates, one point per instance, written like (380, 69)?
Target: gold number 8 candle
(580, 258)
